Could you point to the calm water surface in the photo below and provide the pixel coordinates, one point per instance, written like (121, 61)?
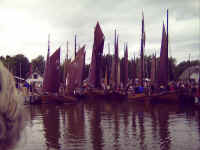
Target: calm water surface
(101, 125)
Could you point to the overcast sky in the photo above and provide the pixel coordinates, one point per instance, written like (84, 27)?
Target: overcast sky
(25, 24)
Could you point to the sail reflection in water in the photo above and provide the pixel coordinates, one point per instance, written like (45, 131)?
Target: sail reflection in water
(103, 125)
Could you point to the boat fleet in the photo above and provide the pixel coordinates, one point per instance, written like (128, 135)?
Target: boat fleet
(114, 84)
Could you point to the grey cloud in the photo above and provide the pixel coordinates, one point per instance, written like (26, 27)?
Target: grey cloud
(67, 17)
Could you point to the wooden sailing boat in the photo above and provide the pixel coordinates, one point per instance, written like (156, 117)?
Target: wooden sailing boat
(140, 96)
(176, 96)
(116, 93)
(164, 96)
(51, 83)
(75, 74)
(94, 79)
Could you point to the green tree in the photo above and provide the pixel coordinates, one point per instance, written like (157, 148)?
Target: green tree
(19, 65)
(38, 64)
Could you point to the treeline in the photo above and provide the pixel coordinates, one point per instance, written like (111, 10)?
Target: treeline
(19, 65)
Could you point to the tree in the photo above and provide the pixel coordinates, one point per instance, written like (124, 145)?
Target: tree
(38, 64)
(19, 65)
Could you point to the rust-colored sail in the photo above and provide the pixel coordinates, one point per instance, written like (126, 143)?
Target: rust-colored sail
(163, 67)
(52, 79)
(75, 71)
(95, 67)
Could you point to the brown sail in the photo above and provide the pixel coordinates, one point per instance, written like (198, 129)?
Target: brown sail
(52, 78)
(75, 71)
(163, 67)
(95, 67)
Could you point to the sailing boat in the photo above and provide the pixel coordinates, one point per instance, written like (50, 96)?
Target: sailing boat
(176, 96)
(75, 74)
(116, 76)
(51, 81)
(94, 79)
(164, 96)
(95, 67)
(140, 96)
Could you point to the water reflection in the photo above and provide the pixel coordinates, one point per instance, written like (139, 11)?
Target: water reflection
(104, 125)
(51, 124)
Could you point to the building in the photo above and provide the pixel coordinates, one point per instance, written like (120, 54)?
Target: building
(36, 78)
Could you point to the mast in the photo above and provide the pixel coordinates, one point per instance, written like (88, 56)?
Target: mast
(126, 66)
(116, 60)
(108, 48)
(66, 63)
(46, 71)
(155, 68)
(67, 55)
(167, 47)
(142, 52)
(48, 53)
(109, 62)
(75, 46)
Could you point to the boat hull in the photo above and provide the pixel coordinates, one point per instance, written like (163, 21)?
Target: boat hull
(172, 97)
(107, 95)
(50, 98)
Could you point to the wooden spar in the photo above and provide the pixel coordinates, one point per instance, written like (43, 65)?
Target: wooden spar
(108, 48)
(116, 61)
(142, 52)
(167, 47)
(155, 68)
(46, 71)
(67, 55)
(66, 63)
(48, 53)
(75, 46)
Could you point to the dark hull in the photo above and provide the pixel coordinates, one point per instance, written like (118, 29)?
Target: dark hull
(107, 95)
(50, 98)
(172, 97)
(141, 97)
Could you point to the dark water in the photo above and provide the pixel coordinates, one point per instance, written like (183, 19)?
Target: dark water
(101, 125)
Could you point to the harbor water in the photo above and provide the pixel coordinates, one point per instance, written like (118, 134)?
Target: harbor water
(106, 125)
